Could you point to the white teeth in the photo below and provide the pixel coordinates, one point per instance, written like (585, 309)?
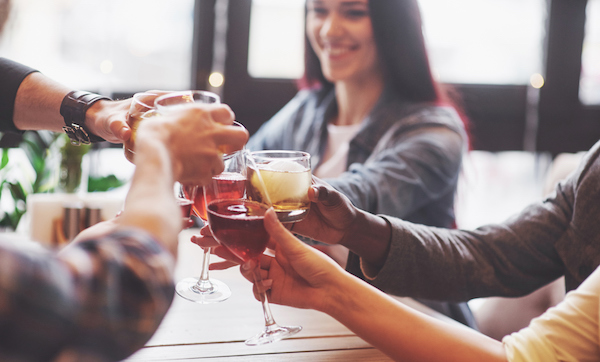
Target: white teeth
(338, 51)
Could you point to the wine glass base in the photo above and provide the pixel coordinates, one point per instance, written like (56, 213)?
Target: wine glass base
(187, 289)
(272, 334)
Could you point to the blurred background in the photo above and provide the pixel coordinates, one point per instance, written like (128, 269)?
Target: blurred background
(528, 71)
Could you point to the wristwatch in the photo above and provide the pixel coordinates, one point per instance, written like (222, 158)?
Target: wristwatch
(73, 108)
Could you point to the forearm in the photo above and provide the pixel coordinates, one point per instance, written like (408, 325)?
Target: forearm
(369, 237)
(37, 105)
(405, 334)
(150, 203)
(458, 265)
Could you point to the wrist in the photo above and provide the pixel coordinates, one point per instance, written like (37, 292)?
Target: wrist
(156, 136)
(150, 203)
(369, 237)
(341, 297)
(96, 111)
(74, 109)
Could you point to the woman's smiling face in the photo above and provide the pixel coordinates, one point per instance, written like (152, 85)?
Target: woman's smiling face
(341, 34)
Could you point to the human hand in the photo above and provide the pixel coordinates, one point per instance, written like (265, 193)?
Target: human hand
(108, 119)
(195, 137)
(206, 240)
(299, 275)
(330, 216)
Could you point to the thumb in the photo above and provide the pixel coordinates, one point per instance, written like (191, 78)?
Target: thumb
(285, 239)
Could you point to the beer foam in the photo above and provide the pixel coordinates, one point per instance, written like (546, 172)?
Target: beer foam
(284, 165)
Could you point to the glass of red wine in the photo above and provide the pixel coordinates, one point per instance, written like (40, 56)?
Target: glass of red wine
(237, 223)
(205, 290)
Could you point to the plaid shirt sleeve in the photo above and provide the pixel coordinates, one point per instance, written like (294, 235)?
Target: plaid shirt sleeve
(97, 300)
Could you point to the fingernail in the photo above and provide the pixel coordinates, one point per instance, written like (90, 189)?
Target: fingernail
(271, 213)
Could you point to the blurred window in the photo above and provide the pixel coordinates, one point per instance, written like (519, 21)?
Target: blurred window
(470, 41)
(276, 48)
(104, 45)
(485, 41)
(589, 86)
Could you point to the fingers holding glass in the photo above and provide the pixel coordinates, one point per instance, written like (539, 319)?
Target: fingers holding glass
(238, 224)
(141, 108)
(201, 290)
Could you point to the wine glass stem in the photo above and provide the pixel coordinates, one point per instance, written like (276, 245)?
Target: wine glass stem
(204, 285)
(269, 320)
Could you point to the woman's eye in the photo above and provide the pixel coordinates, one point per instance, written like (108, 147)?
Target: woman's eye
(318, 11)
(355, 14)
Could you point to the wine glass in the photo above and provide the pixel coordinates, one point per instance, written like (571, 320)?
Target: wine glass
(203, 290)
(238, 225)
(185, 200)
(142, 107)
(287, 178)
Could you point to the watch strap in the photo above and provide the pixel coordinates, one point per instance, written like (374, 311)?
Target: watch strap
(73, 109)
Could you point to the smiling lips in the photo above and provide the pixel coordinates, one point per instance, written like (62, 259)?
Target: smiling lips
(337, 51)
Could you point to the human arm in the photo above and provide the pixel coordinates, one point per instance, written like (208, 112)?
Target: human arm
(403, 258)
(183, 146)
(302, 277)
(31, 101)
(104, 295)
(100, 298)
(508, 259)
(332, 219)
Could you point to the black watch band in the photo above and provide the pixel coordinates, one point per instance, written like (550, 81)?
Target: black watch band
(73, 108)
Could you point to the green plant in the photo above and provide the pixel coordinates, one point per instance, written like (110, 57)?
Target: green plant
(19, 178)
(32, 168)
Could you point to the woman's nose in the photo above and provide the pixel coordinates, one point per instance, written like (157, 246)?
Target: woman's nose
(332, 26)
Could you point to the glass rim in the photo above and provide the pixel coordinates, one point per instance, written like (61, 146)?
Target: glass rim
(136, 98)
(180, 94)
(287, 154)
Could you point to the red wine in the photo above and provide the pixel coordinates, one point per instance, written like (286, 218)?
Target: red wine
(227, 185)
(186, 207)
(239, 226)
(199, 207)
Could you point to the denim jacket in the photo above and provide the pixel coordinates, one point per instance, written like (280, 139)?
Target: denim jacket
(404, 161)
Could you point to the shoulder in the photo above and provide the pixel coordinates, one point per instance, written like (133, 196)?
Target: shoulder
(439, 122)
(425, 115)
(404, 115)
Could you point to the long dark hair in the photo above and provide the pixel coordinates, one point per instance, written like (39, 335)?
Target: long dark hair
(401, 49)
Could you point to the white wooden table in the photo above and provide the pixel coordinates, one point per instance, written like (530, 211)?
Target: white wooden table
(217, 332)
